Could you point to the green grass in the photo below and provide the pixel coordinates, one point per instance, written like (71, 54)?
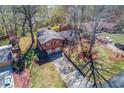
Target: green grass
(4, 41)
(45, 76)
(119, 65)
(117, 38)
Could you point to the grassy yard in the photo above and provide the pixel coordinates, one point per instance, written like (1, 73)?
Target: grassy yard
(4, 41)
(104, 53)
(24, 42)
(113, 66)
(117, 38)
(41, 76)
(45, 76)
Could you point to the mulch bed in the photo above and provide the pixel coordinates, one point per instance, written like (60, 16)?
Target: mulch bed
(21, 79)
(117, 57)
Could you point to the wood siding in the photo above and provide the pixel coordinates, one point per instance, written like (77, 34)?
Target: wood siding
(52, 44)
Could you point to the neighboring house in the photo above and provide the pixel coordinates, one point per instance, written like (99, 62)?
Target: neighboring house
(67, 36)
(49, 40)
(6, 73)
(101, 26)
(5, 56)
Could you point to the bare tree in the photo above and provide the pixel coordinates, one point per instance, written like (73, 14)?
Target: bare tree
(28, 13)
(92, 69)
(3, 19)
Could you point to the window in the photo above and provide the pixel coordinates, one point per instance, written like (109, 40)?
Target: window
(47, 44)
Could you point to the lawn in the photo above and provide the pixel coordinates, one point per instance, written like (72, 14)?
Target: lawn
(45, 76)
(4, 42)
(24, 42)
(104, 52)
(41, 76)
(117, 38)
(110, 65)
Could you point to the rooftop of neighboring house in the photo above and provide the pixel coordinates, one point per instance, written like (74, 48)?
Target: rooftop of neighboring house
(5, 53)
(45, 35)
(88, 26)
(6, 78)
(67, 34)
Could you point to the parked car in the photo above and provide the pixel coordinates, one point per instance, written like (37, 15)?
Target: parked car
(7, 82)
(120, 46)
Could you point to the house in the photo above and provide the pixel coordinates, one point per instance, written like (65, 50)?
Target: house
(6, 72)
(5, 55)
(67, 36)
(101, 26)
(49, 40)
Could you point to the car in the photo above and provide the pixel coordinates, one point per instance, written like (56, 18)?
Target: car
(7, 82)
(120, 46)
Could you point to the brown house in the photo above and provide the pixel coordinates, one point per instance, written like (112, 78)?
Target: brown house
(49, 40)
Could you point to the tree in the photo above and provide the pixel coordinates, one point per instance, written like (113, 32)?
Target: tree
(28, 13)
(2, 8)
(93, 70)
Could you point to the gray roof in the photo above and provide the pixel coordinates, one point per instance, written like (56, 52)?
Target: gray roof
(67, 34)
(47, 35)
(5, 53)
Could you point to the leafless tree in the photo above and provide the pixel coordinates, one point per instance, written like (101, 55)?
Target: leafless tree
(91, 68)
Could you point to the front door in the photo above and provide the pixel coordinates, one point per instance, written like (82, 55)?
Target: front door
(49, 51)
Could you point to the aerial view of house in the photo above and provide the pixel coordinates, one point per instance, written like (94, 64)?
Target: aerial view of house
(62, 46)
(6, 72)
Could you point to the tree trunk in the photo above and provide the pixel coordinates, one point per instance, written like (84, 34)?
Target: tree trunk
(31, 32)
(23, 27)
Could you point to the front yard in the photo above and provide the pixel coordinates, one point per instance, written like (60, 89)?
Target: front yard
(45, 76)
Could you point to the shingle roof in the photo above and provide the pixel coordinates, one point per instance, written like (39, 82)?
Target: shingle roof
(5, 53)
(66, 34)
(47, 35)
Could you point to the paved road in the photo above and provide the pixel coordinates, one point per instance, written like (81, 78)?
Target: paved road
(118, 80)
